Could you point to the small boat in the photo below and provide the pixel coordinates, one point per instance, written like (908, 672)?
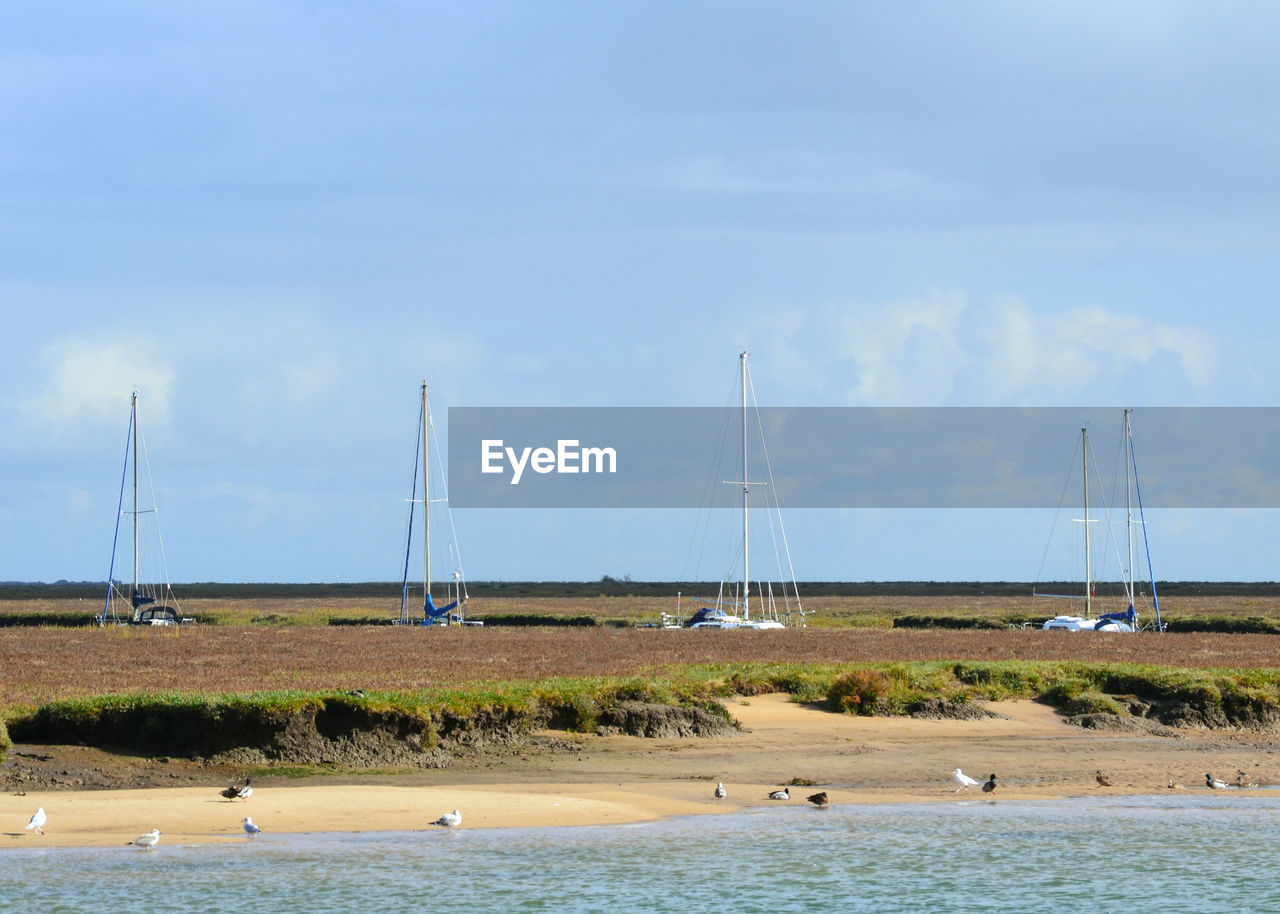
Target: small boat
(1125, 620)
(140, 603)
(431, 613)
(732, 607)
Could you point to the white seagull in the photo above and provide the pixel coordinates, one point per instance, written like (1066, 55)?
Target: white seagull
(149, 840)
(249, 828)
(964, 780)
(720, 791)
(449, 819)
(783, 794)
(38, 819)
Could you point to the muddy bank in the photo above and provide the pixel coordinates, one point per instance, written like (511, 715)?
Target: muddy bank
(343, 733)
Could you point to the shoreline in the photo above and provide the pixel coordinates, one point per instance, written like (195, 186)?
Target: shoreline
(621, 780)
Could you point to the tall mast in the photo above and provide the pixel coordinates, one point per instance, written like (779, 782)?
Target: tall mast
(746, 554)
(426, 497)
(1128, 505)
(1088, 568)
(133, 407)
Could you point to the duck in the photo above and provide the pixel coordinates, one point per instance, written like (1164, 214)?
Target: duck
(245, 792)
(449, 819)
(1214, 783)
(720, 792)
(783, 794)
(990, 785)
(1103, 780)
(149, 840)
(818, 799)
(1243, 779)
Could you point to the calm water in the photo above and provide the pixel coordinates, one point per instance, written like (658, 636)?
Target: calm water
(1165, 854)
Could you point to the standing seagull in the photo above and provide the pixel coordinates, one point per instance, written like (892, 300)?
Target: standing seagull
(38, 819)
(149, 840)
(721, 793)
(1103, 780)
(783, 794)
(449, 819)
(990, 785)
(249, 828)
(964, 780)
(1210, 781)
(818, 799)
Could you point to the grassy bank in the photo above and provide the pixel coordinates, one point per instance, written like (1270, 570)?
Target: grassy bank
(199, 724)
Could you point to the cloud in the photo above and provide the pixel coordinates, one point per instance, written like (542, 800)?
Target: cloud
(952, 349)
(88, 382)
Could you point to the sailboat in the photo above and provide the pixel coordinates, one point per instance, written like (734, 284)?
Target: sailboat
(733, 607)
(1126, 620)
(451, 612)
(139, 602)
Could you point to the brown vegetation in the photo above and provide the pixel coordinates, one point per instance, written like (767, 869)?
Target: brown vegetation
(40, 665)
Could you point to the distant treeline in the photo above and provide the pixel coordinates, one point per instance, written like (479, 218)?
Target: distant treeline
(614, 587)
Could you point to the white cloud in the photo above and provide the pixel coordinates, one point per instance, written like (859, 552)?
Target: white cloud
(948, 348)
(88, 381)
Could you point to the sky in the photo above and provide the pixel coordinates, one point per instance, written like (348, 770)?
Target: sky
(274, 221)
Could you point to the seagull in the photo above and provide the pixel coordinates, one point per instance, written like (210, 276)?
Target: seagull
(245, 792)
(1103, 780)
(149, 840)
(818, 799)
(720, 791)
(990, 785)
(964, 780)
(1214, 783)
(449, 819)
(249, 828)
(783, 794)
(38, 819)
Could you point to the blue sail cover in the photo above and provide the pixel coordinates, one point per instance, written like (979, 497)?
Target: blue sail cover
(1129, 617)
(433, 615)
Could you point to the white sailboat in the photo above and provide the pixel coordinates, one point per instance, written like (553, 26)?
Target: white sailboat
(139, 602)
(1126, 620)
(734, 607)
(456, 588)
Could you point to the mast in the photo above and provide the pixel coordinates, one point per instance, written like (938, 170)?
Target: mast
(746, 554)
(1088, 568)
(1128, 505)
(133, 408)
(426, 499)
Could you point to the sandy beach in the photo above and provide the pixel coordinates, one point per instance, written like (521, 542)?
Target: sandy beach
(617, 779)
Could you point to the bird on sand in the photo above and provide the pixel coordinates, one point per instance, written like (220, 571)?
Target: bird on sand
(1103, 780)
(783, 794)
(233, 792)
(721, 793)
(245, 792)
(1243, 779)
(818, 799)
(990, 785)
(1214, 783)
(249, 828)
(38, 818)
(149, 840)
(449, 819)
(964, 780)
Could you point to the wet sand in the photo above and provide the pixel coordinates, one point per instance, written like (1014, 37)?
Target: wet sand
(613, 780)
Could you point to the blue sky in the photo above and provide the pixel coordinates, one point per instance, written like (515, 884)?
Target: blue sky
(274, 220)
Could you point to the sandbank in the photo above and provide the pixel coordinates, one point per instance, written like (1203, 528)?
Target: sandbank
(594, 780)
